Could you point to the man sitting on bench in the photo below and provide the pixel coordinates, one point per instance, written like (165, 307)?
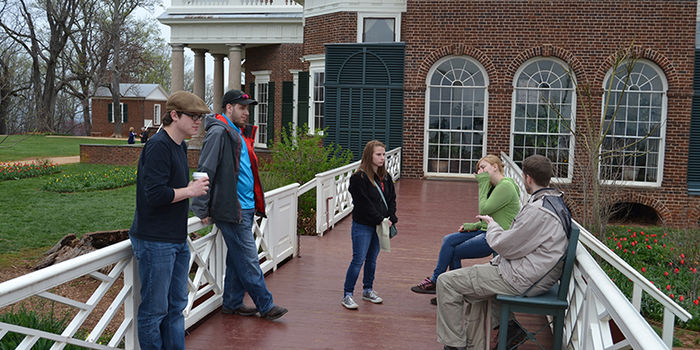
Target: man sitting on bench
(529, 253)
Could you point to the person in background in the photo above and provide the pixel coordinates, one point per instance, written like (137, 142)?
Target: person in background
(158, 233)
(144, 134)
(228, 158)
(132, 136)
(499, 197)
(368, 212)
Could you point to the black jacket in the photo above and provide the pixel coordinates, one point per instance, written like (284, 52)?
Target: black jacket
(369, 209)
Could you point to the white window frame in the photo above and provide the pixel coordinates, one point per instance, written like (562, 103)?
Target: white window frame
(156, 114)
(317, 64)
(572, 141)
(427, 115)
(261, 77)
(121, 111)
(361, 23)
(662, 130)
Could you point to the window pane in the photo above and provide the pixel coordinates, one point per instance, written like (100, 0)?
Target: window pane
(378, 30)
(634, 139)
(456, 114)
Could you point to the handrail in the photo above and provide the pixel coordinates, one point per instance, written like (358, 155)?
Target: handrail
(275, 237)
(671, 309)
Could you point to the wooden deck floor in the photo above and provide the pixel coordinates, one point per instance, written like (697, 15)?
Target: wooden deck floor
(311, 285)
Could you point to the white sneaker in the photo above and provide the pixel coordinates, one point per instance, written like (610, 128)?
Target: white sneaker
(372, 297)
(349, 302)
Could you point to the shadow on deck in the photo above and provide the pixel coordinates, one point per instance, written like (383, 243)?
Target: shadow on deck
(311, 286)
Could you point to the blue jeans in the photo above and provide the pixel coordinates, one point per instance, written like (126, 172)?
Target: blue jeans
(460, 245)
(163, 269)
(365, 249)
(243, 273)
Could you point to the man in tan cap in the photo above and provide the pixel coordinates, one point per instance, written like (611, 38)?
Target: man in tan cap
(159, 231)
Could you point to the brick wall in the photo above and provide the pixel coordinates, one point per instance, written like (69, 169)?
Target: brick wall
(129, 155)
(138, 110)
(503, 34)
(279, 59)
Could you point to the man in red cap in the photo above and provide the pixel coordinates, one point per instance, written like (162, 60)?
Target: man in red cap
(228, 158)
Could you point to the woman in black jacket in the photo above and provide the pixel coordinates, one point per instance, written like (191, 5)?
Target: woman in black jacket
(368, 212)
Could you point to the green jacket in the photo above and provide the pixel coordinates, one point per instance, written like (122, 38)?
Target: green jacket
(503, 204)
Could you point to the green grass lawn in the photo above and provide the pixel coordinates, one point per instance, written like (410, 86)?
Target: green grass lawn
(32, 218)
(18, 147)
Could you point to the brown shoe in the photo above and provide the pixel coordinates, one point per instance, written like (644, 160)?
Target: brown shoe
(242, 311)
(425, 287)
(274, 313)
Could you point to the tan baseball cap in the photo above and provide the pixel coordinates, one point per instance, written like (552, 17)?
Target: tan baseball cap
(184, 101)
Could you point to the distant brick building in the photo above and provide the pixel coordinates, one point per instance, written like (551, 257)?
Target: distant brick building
(474, 75)
(142, 105)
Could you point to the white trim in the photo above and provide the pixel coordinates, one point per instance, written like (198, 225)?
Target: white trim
(662, 131)
(156, 113)
(261, 77)
(572, 138)
(317, 64)
(361, 23)
(322, 7)
(295, 98)
(121, 112)
(426, 118)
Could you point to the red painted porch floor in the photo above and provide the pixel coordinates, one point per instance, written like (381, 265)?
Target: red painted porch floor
(311, 285)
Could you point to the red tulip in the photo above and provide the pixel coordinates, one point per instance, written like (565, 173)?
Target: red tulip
(633, 252)
(671, 295)
(696, 302)
(644, 269)
(680, 297)
(682, 262)
(668, 287)
(676, 270)
(648, 246)
(625, 250)
(682, 256)
(666, 273)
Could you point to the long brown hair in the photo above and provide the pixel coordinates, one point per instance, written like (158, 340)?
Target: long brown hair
(366, 162)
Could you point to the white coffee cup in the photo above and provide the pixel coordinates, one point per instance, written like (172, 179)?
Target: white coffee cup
(199, 175)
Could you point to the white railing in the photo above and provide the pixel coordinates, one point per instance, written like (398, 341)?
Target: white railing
(594, 300)
(233, 6)
(333, 201)
(275, 236)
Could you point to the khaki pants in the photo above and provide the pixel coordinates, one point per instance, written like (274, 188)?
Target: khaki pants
(471, 288)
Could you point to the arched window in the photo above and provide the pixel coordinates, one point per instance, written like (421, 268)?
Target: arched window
(544, 109)
(456, 110)
(634, 123)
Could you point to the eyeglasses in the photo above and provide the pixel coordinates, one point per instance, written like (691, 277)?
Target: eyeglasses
(195, 117)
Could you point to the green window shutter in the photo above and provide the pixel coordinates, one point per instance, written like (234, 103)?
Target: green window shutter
(125, 112)
(694, 138)
(303, 102)
(110, 114)
(364, 95)
(287, 106)
(271, 113)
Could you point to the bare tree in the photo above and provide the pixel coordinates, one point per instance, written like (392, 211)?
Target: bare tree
(42, 29)
(13, 81)
(119, 11)
(606, 159)
(87, 59)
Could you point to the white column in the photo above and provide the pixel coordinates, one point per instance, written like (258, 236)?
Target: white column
(177, 69)
(234, 67)
(199, 73)
(218, 81)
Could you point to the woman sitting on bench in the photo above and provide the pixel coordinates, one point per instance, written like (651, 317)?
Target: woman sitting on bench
(499, 197)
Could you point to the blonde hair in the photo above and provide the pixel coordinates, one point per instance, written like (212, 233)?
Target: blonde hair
(493, 160)
(366, 162)
(131, 128)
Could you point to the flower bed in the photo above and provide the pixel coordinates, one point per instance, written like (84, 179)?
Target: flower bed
(92, 181)
(669, 259)
(16, 171)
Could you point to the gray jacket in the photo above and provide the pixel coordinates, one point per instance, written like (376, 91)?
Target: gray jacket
(532, 246)
(219, 158)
